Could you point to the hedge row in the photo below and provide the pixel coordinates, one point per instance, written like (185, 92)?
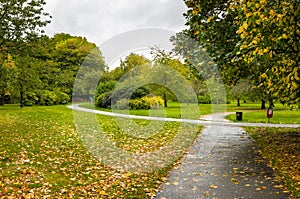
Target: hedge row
(146, 102)
(45, 98)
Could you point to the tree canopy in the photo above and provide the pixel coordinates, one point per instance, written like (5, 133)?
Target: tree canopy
(21, 21)
(251, 39)
(270, 43)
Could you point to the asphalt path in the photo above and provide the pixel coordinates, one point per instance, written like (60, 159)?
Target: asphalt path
(216, 119)
(222, 163)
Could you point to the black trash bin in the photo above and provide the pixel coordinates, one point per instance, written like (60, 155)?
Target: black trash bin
(239, 116)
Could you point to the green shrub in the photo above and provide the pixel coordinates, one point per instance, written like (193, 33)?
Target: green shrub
(139, 104)
(104, 100)
(99, 100)
(62, 98)
(122, 104)
(146, 103)
(140, 92)
(204, 99)
(50, 98)
(126, 90)
(30, 99)
(105, 87)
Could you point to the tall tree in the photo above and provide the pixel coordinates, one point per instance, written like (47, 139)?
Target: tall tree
(26, 77)
(7, 72)
(270, 44)
(249, 38)
(212, 24)
(20, 21)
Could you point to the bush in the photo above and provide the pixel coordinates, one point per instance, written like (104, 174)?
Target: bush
(30, 99)
(47, 98)
(204, 99)
(139, 104)
(122, 104)
(62, 98)
(105, 87)
(99, 99)
(146, 103)
(104, 100)
(50, 98)
(140, 92)
(126, 90)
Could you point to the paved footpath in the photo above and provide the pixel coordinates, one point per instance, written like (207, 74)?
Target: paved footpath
(223, 163)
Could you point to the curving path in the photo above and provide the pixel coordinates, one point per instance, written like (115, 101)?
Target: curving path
(217, 119)
(222, 163)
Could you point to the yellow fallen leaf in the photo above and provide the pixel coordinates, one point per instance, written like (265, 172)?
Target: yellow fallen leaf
(213, 187)
(175, 183)
(102, 193)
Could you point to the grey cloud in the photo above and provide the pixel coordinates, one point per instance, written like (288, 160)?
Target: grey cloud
(99, 20)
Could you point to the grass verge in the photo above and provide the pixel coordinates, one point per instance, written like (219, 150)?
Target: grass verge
(281, 146)
(279, 117)
(41, 156)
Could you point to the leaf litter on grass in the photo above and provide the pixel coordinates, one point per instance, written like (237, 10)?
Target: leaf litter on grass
(42, 157)
(281, 147)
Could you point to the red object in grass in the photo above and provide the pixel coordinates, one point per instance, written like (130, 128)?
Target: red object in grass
(269, 113)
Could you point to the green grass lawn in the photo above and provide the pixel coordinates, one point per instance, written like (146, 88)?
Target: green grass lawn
(41, 155)
(281, 116)
(281, 146)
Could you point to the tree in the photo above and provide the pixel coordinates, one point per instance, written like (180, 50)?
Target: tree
(270, 44)
(71, 54)
(20, 21)
(242, 89)
(26, 77)
(165, 65)
(256, 39)
(6, 75)
(211, 23)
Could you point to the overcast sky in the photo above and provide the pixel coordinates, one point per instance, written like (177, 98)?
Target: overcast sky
(100, 20)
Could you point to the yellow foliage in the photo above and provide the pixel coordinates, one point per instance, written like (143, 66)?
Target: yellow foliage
(195, 12)
(9, 63)
(280, 16)
(264, 76)
(284, 36)
(210, 18)
(272, 13)
(260, 52)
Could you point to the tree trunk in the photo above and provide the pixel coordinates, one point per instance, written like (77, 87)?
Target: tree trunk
(21, 98)
(2, 100)
(271, 103)
(165, 100)
(263, 104)
(238, 102)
